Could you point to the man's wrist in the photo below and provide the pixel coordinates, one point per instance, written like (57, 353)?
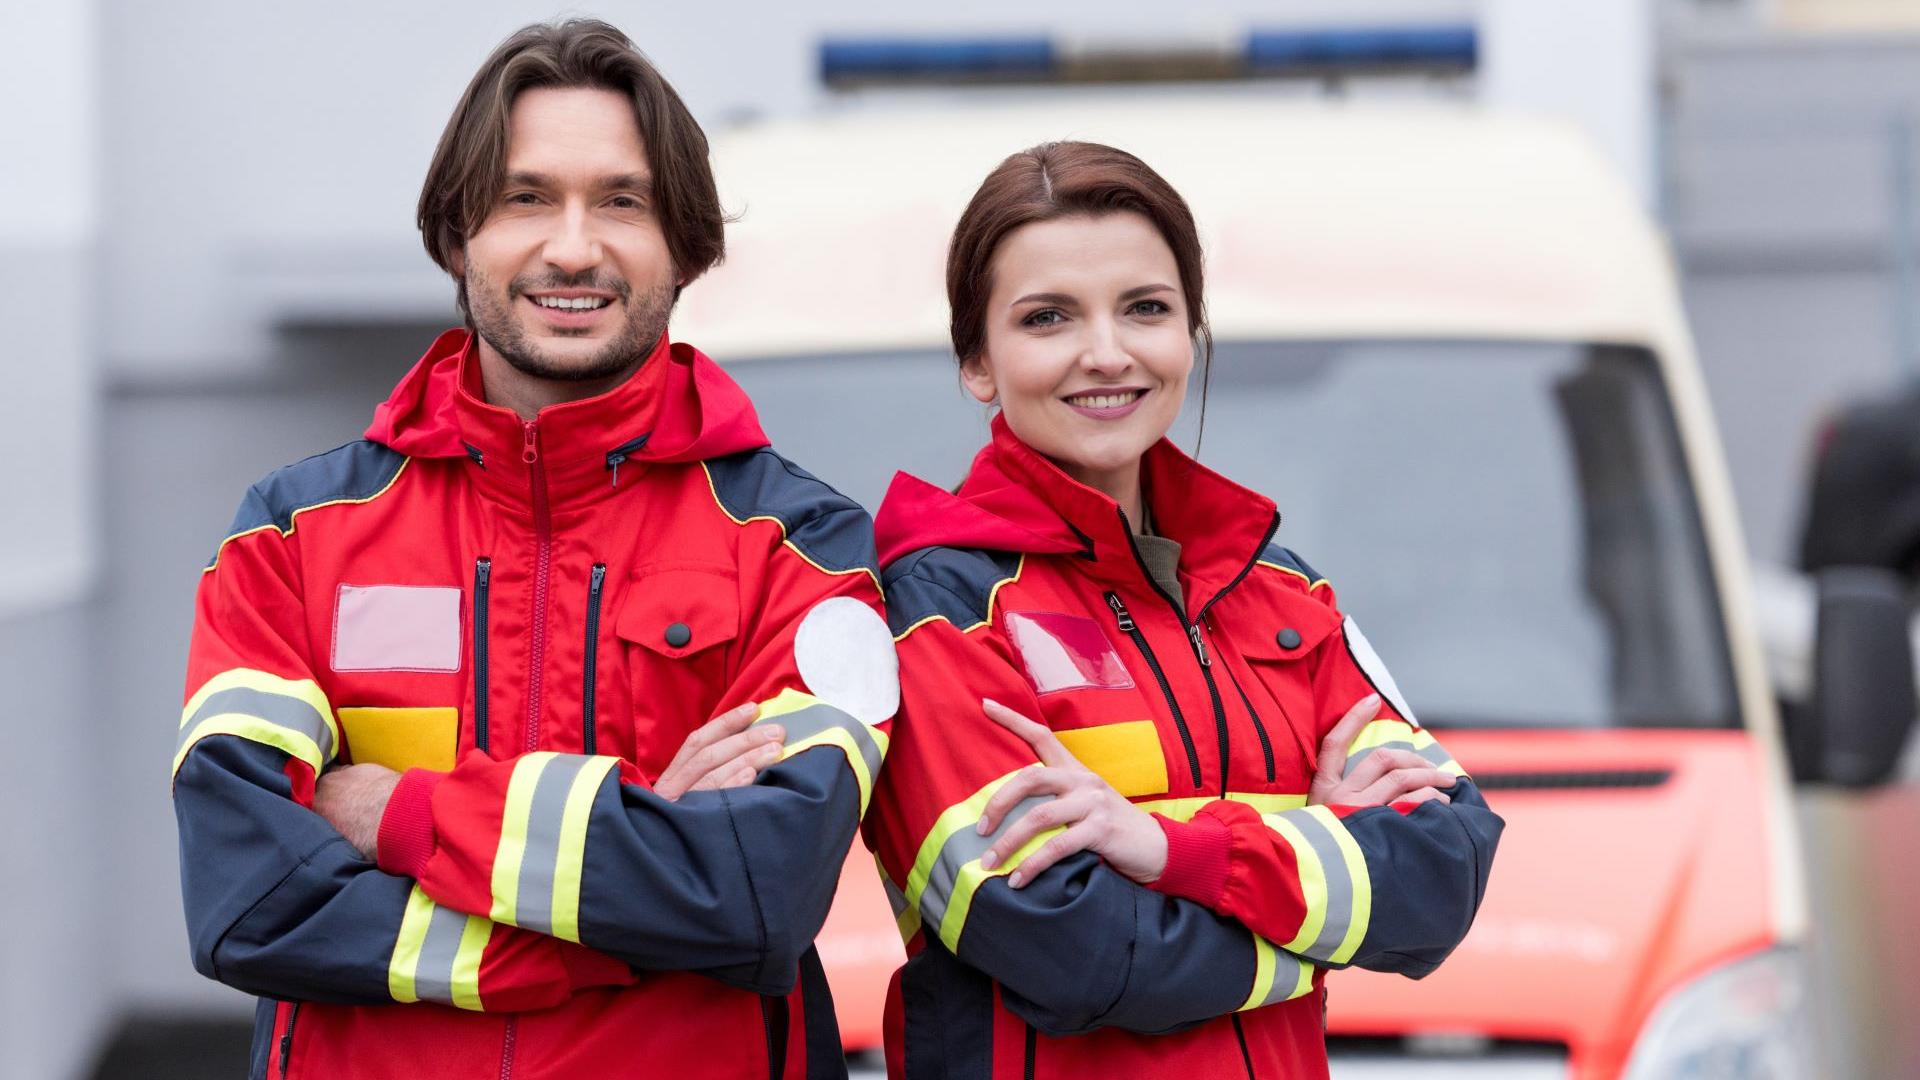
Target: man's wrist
(406, 827)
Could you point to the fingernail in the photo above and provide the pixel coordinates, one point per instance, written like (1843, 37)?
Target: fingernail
(980, 826)
(774, 732)
(1015, 879)
(988, 860)
(990, 701)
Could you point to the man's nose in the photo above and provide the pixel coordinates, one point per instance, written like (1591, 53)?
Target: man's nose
(573, 248)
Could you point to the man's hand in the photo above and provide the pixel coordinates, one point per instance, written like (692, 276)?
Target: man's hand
(725, 752)
(353, 798)
(1098, 818)
(1383, 778)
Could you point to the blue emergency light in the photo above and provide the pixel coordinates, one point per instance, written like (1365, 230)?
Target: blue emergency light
(1261, 53)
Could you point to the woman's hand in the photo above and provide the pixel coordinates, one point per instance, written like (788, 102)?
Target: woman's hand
(1384, 777)
(1098, 818)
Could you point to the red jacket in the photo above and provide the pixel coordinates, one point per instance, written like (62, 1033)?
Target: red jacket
(1026, 587)
(529, 618)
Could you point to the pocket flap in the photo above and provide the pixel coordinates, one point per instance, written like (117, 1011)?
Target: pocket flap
(680, 611)
(1289, 628)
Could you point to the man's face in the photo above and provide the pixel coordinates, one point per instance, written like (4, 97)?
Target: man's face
(569, 277)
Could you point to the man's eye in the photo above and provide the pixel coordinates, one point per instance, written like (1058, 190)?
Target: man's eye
(626, 202)
(522, 198)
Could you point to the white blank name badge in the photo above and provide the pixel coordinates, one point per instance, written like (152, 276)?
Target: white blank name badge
(396, 628)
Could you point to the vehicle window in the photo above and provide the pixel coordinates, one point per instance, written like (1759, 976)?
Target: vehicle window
(1509, 522)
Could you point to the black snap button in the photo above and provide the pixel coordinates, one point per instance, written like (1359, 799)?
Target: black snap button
(1288, 638)
(678, 635)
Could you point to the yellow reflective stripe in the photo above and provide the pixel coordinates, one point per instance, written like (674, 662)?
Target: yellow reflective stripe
(513, 835)
(1302, 978)
(961, 815)
(842, 739)
(1277, 976)
(1313, 882)
(1263, 964)
(811, 722)
(1183, 808)
(972, 875)
(1362, 884)
(788, 700)
(302, 723)
(1401, 735)
(571, 859)
(406, 948)
(466, 962)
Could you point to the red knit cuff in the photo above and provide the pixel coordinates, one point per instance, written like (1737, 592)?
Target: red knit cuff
(1198, 853)
(588, 968)
(406, 828)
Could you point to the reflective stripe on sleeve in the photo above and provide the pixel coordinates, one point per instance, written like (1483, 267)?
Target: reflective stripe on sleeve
(1334, 883)
(437, 955)
(290, 715)
(947, 871)
(1400, 735)
(543, 838)
(811, 722)
(1277, 976)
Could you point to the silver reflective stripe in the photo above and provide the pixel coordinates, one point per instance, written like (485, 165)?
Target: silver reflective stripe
(1433, 752)
(815, 719)
(1333, 865)
(433, 975)
(533, 904)
(960, 849)
(276, 709)
(895, 898)
(1286, 977)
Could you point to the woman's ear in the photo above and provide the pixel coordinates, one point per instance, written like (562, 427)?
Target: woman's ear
(977, 377)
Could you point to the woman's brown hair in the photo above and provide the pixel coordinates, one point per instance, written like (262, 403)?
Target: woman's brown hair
(1056, 180)
(470, 164)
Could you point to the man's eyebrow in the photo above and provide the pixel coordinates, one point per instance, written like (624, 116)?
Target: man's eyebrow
(639, 182)
(529, 179)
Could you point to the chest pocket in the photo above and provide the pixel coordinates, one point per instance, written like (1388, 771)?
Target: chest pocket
(676, 626)
(1276, 634)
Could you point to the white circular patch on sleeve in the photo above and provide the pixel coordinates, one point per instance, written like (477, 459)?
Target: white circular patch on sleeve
(1375, 669)
(845, 655)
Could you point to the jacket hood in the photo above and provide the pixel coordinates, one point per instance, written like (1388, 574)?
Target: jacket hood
(1015, 500)
(688, 409)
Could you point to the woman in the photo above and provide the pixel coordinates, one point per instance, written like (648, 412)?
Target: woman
(1230, 796)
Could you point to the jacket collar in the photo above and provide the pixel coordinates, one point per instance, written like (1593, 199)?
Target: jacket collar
(678, 407)
(1015, 499)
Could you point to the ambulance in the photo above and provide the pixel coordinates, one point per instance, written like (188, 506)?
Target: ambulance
(1450, 345)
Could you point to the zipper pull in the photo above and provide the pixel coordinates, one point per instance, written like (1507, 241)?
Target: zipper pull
(530, 448)
(1120, 611)
(1199, 645)
(613, 466)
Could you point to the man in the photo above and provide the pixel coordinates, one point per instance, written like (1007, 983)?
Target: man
(525, 736)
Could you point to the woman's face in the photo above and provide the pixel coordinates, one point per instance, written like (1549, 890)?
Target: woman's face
(1087, 347)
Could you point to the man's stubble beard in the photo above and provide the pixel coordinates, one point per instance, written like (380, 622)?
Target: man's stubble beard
(493, 319)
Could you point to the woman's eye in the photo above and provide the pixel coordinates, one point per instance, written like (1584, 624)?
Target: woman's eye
(1152, 307)
(1043, 317)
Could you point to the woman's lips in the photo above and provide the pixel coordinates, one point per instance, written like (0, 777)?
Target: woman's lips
(1106, 412)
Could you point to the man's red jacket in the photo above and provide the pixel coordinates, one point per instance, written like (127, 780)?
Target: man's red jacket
(1207, 708)
(529, 618)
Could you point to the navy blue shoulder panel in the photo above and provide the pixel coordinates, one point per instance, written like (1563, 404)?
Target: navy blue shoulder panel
(359, 470)
(953, 583)
(830, 529)
(1283, 556)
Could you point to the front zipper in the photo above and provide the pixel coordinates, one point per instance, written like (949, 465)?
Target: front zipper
(286, 1039)
(506, 1049)
(542, 574)
(482, 574)
(1241, 1034)
(1132, 630)
(1033, 1050)
(594, 582)
(776, 1034)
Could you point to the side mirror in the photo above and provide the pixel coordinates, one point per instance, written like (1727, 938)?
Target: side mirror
(1863, 682)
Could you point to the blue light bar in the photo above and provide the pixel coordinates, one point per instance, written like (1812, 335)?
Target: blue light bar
(1021, 59)
(1271, 52)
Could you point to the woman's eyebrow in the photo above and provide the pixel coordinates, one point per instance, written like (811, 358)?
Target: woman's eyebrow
(1139, 291)
(1044, 298)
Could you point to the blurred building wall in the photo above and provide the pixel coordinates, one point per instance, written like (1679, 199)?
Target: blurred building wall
(1790, 189)
(54, 806)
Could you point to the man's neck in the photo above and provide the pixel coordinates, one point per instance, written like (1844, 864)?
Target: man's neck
(507, 386)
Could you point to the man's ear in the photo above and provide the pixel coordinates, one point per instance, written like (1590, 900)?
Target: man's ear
(977, 377)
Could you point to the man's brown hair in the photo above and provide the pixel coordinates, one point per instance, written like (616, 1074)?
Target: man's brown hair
(470, 164)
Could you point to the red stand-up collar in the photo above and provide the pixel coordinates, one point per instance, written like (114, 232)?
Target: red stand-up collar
(678, 406)
(1015, 499)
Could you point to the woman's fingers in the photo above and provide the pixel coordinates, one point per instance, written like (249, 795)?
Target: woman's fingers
(741, 769)
(1046, 746)
(1425, 794)
(1377, 764)
(1032, 780)
(1057, 811)
(1331, 765)
(731, 722)
(1080, 837)
(1396, 784)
